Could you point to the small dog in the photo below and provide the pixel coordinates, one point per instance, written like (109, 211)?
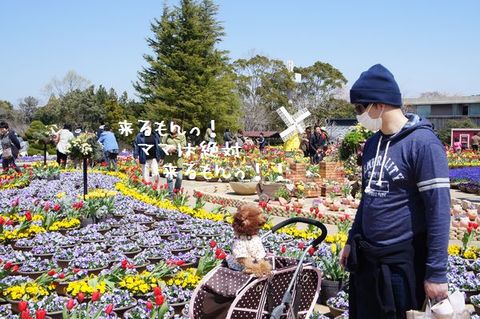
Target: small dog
(248, 252)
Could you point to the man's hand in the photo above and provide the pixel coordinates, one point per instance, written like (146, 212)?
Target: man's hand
(436, 291)
(344, 255)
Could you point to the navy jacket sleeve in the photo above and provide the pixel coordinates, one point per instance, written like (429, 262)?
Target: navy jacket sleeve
(14, 140)
(136, 147)
(432, 178)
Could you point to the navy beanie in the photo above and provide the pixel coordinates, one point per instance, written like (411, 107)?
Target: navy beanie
(376, 85)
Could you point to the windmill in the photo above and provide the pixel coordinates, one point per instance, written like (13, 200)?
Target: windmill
(294, 122)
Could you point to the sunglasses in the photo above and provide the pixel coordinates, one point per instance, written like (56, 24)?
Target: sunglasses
(360, 108)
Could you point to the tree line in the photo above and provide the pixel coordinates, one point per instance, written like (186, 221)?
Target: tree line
(189, 79)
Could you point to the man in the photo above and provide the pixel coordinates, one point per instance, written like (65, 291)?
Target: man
(63, 137)
(175, 141)
(10, 147)
(261, 142)
(227, 137)
(147, 151)
(110, 147)
(317, 143)
(397, 247)
(476, 141)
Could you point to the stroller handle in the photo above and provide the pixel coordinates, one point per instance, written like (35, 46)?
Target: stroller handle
(304, 220)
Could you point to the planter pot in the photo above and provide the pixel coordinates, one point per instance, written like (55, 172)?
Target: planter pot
(155, 260)
(34, 275)
(64, 231)
(43, 256)
(130, 254)
(104, 231)
(55, 315)
(139, 211)
(121, 311)
(22, 248)
(165, 236)
(177, 252)
(64, 263)
(61, 288)
(335, 312)
(329, 288)
(188, 265)
(96, 271)
(141, 268)
(178, 307)
(268, 189)
(244, 188)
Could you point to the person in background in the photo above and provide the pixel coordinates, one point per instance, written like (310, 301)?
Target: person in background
(304, 145)
(239, 138)
(110, 147)
(10, 147)
(63, 136)
(147, 151)
(210, 135)
(77, 132)
(261, 142)
(175, 141)
(227, 137)
(457, 146)
(397, 248)
(100, 130)
(317, 143)
(476, 141)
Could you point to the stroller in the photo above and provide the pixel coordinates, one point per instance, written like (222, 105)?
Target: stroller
(291, 292)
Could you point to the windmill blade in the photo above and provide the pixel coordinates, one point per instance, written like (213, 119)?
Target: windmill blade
(300, 128)
(301, 115)
(289, 132)
(285, 116)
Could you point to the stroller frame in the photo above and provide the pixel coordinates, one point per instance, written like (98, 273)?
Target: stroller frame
(261, 291)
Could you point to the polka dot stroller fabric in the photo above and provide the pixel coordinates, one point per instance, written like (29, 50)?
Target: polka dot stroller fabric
(225, 293)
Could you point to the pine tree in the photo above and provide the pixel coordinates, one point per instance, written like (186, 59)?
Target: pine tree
(187, 77)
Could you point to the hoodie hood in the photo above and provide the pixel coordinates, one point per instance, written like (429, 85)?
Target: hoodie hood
(414, 123)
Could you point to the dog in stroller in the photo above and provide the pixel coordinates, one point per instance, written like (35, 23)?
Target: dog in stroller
(289, 291)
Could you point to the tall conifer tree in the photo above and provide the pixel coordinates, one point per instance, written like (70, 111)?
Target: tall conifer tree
(187, 77)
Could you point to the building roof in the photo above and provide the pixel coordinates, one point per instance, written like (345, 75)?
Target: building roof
(257, 133)
(442, 100)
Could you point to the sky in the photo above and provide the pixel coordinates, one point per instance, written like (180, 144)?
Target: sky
(429, 45)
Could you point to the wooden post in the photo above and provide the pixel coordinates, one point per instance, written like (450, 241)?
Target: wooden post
(85, 181)
(44, 154)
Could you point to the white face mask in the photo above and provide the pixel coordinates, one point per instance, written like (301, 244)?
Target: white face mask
(369, 123)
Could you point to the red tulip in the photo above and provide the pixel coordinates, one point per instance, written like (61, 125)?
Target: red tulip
(28, 216)
(52, 273)
(80, 297)
(109, 309)
(76, 270)
(221, 256)
(124, 263)
(283, 249)
(157, 291)
(149, 305)
(22, 306)
(218, 251)
(287, 208)
(159, 300)
(15, 268)
(9, 222)
(8, 265)
(312, 209)
(180, 263)
(40, 314)
(311, 251)
(46, 206)
(2, 220)
(213, 243)
(96, 296)
(61, 275)
(301, 245)
(56, 207)
(25, 315)
(70, 304)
